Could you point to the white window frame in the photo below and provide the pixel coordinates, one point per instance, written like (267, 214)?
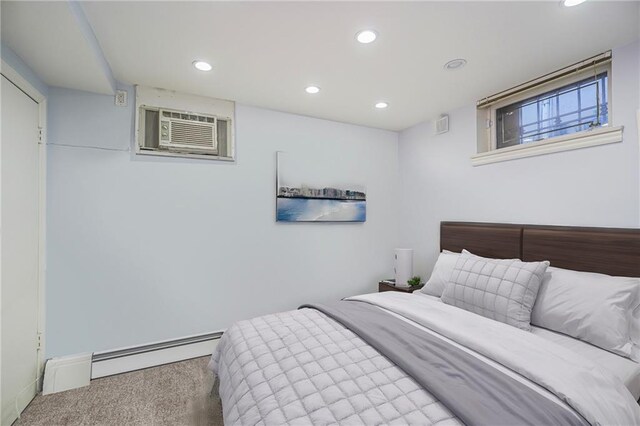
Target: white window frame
(487, 139)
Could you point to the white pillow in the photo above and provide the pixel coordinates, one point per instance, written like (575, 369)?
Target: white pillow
(635, 324)
(441, 273)
(595, 308)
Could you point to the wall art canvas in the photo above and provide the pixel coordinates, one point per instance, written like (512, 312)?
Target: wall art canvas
(310, 191)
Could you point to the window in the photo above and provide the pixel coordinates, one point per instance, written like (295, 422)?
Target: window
(567, 109)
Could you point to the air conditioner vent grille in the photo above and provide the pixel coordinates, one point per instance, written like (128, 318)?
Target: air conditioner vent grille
(188, 117)
(191, 134)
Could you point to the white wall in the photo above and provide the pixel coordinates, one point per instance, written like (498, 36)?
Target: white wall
(596, 186)
(145, 249)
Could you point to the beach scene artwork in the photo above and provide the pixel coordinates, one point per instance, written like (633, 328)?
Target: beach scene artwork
(315, 198)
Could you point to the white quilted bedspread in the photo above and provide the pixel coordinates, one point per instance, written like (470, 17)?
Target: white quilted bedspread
(301, 367)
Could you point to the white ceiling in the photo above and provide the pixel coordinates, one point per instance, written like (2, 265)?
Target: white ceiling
(266, 53)
(47, 37)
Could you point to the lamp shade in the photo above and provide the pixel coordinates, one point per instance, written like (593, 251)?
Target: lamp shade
(403, 266)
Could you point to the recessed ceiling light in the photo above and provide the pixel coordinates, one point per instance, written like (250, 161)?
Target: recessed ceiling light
(366, 36)
(569, 3)
(312, 89)
(381, 105)
(455, 64)
(202, 65)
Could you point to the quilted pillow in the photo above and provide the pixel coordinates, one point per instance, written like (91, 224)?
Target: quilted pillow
(501, 289)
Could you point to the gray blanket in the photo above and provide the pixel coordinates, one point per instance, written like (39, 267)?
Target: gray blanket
(473, 390)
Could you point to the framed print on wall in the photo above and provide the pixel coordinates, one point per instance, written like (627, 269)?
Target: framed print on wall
(304, 193)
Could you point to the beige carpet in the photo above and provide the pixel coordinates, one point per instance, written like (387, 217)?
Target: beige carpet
(173, 394)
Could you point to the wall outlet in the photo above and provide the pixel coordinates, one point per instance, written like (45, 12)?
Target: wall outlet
(121, 98)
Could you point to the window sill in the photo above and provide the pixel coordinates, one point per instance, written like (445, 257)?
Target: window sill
(172, 154)
(596, 137)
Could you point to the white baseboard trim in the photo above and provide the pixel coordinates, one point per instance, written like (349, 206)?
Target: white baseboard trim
(108, 363)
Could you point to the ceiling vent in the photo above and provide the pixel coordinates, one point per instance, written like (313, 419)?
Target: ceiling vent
(442, 124)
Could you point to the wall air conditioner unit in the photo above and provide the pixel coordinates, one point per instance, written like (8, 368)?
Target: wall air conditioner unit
(182, 131)
(173, 124)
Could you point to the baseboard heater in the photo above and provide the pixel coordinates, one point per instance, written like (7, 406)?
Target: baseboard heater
(134, 358)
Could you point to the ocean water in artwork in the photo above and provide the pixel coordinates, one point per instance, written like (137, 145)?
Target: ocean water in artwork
(319, 210)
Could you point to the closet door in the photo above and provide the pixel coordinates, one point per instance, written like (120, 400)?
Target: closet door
(19, 198)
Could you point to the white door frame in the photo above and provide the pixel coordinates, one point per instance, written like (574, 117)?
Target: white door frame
(17, 79)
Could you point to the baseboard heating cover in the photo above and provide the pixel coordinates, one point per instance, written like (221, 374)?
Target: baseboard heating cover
(133, 358)
(64, 373)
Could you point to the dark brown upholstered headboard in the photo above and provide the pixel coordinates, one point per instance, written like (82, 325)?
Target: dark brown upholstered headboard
(612, 251)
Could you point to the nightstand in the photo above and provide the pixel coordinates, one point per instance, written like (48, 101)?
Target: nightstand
(388, 287)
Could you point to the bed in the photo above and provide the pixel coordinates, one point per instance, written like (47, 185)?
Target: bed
(394, 358)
